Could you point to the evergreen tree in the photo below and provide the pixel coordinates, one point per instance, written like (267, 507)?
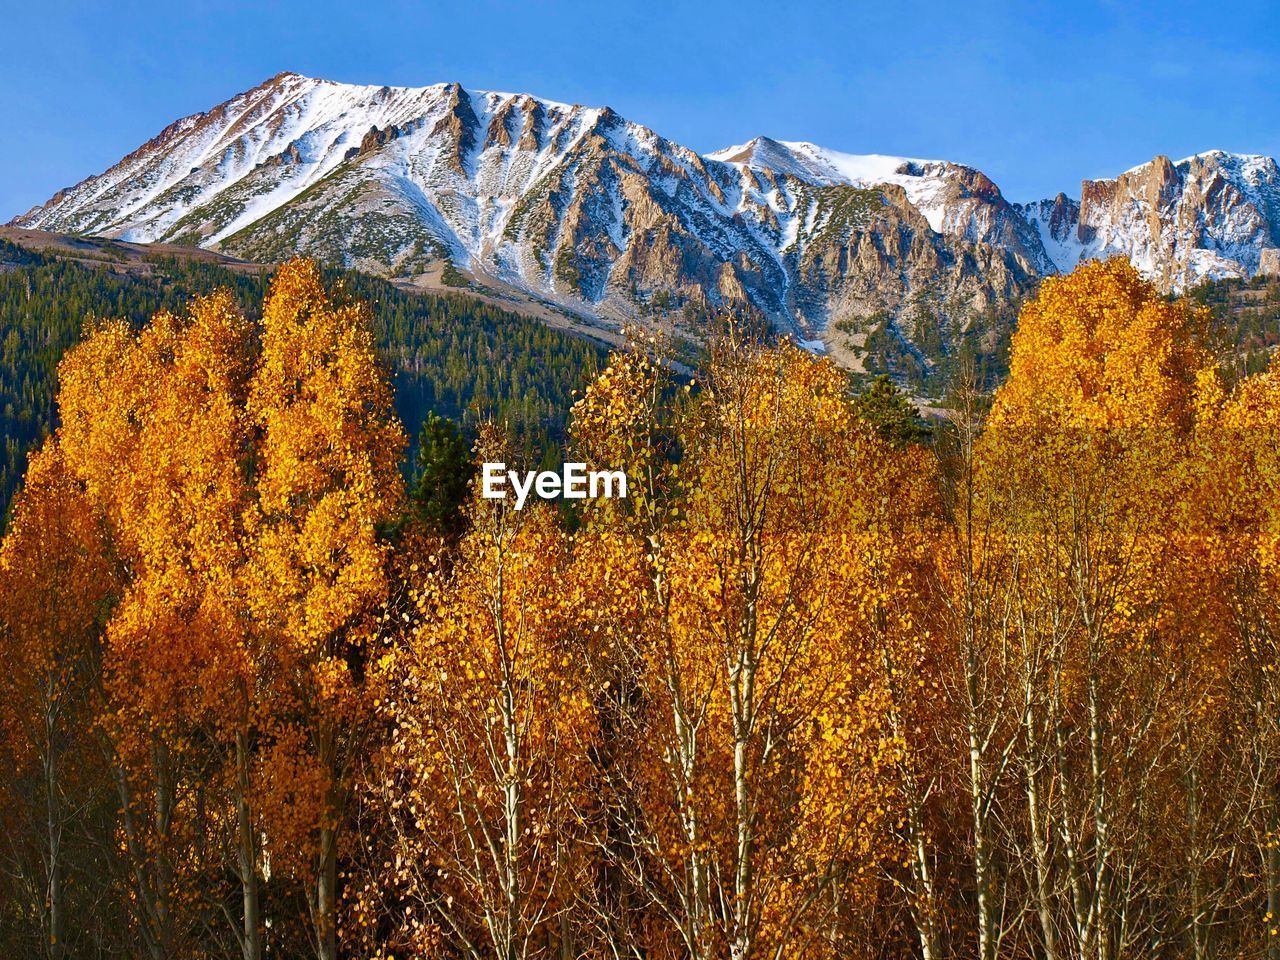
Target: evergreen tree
(894, 416)
(449, 353)
(444, 472)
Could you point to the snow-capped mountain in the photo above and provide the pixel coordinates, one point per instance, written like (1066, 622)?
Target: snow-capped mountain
(956, 200)
(1209, 216)
(889, 261)
(569, 204)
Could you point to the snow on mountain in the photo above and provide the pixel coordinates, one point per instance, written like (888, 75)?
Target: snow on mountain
(1057, 222)
(572, 205)
(1205, 217)
(207, 177)
(956, 200)
(922, 180)
(577, 207)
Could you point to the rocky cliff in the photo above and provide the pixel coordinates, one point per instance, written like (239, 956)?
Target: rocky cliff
(1210, 216)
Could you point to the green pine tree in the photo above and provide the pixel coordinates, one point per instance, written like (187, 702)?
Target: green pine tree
(893, 415)
(444, 471)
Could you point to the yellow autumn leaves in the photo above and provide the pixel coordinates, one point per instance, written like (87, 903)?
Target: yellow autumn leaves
(664, 733)
(235, 475)
(802, 694)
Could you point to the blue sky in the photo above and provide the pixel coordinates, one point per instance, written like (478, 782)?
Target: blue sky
(1036, 95)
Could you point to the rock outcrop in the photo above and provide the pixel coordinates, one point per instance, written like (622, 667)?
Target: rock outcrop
(1206, 217)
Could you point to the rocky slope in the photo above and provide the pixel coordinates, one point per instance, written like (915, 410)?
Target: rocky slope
(890, 262)
(571, 205)
(1208, 217)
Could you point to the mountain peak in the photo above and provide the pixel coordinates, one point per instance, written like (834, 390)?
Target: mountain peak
(809, 160)
(578, 207)
(1227, 156)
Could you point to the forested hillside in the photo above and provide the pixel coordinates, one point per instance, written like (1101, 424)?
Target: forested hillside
(1246, 317)
(451, 354)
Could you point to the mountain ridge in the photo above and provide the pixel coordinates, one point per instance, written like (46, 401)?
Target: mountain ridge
(587, 212)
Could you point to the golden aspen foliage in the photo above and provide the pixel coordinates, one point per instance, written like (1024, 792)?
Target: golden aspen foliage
(56, 588)
(153, 427)
(56, 583)
(768, 617)
(486, 776)
(1238, 516)
(801, 694)
(740, 642)
(1105, 669)
(325, 476)
(1101, 348)
(326, 464)
(242, 472)
(623, 422)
